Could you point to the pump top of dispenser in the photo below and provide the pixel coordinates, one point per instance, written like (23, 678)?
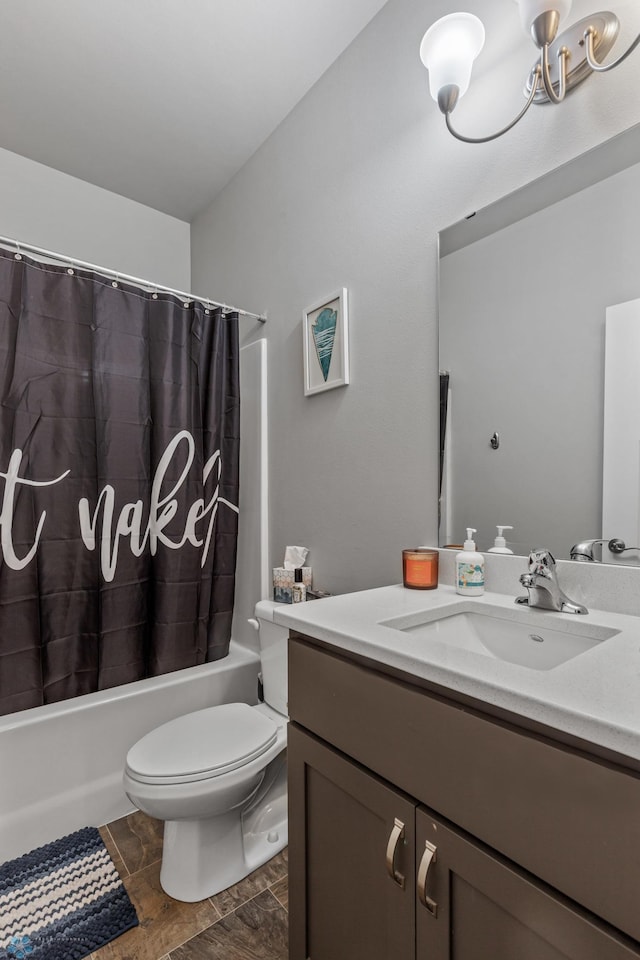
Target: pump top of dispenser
(469, 544)
(500, 544)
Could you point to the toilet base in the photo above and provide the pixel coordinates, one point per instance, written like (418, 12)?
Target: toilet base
(202, 857)
(265, 833)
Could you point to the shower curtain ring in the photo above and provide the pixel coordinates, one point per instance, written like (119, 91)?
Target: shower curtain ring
(18, 255)
(114, 283)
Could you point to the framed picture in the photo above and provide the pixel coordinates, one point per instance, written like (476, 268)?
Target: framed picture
(325, 327)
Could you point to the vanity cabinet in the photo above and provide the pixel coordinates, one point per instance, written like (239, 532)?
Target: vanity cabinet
(421, 828)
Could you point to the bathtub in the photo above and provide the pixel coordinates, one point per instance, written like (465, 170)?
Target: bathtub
(61, 765)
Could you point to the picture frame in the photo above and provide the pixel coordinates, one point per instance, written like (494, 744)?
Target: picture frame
(325, 328)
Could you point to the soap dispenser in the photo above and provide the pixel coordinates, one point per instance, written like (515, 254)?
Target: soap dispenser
(469, 568)
(500, 545)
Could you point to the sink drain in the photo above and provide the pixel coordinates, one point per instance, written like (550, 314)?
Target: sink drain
(536, 637)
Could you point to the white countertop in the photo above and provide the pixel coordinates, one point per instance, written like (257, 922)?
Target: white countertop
(594, 696)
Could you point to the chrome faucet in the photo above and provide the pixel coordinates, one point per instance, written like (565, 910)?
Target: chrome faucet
(542, 585)
(585, 550)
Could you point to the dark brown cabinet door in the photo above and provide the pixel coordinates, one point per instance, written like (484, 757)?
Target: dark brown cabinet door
(473, 905)
(351, 859)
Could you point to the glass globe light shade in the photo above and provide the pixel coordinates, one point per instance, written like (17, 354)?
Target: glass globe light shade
(448, 50)
(531, 9)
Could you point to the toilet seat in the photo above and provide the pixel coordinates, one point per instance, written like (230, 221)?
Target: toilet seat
(201, 745)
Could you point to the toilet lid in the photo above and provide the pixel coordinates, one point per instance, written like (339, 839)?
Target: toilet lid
(206, 743)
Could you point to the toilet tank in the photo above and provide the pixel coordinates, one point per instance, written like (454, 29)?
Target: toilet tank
(273, 656)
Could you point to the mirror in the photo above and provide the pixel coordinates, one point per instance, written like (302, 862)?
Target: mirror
(542, 427)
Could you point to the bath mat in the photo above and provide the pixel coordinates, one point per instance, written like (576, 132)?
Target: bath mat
(62, 901)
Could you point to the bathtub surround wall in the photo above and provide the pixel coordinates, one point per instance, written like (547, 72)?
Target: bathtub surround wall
(351, 190)
(253, 581)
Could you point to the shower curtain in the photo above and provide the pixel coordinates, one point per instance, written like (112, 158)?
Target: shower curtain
(119, 454)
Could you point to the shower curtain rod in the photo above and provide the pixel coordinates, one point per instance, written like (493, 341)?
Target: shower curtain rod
(151, 287)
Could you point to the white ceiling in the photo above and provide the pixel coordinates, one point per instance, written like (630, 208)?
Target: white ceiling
(161, 101)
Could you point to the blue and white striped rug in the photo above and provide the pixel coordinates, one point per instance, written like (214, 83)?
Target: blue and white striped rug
(62, 901)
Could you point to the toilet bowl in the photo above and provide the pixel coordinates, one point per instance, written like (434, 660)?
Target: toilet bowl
(218, 779)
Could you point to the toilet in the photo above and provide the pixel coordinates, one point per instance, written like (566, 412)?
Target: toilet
(218, 778)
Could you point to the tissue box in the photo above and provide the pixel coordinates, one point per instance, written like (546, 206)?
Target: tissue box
(283, 581)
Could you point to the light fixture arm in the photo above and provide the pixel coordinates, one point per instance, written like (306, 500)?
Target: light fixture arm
(535, 83)
(589, 38)
(563, 53)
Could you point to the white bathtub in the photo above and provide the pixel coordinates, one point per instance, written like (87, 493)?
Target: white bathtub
(61, 765)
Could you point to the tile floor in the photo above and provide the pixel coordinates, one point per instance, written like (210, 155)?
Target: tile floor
(246, 922)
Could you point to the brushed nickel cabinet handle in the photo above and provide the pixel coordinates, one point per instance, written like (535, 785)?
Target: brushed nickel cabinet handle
(397, 834)
(429, 856)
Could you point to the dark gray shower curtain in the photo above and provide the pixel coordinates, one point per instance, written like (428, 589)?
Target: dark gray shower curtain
(123, 407)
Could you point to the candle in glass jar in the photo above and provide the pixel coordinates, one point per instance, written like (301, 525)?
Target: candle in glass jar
(420, 568)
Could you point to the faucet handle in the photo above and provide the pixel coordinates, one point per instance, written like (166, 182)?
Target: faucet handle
(584, 550)
(542, 562)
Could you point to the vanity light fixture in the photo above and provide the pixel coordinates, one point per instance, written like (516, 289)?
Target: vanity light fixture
(450, 46)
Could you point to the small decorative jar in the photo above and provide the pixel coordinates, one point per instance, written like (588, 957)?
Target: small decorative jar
(420, 568)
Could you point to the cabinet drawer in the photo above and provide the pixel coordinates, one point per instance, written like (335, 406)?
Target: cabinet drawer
(571, 820)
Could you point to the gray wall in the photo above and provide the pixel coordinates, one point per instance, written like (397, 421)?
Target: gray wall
(522, 316)
(351, 190)
(60, 213)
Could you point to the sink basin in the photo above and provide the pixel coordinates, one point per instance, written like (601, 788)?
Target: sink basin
(525, 637)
